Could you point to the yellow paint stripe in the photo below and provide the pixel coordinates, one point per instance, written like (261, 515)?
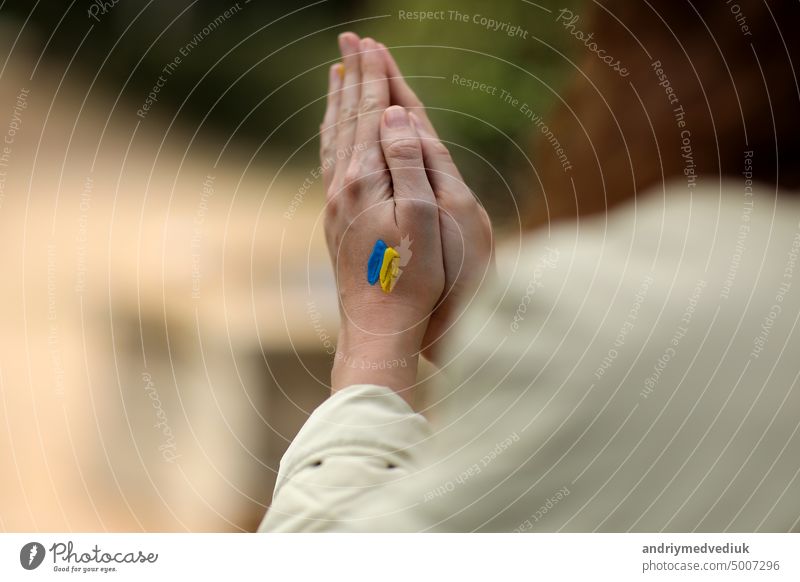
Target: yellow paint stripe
(389, 268)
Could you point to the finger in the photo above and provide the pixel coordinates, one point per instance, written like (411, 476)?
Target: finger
(402, 94)
(348, 103)
(443, 173)
(374, 93)
(367, 166)
(403, 154)
(327, 131)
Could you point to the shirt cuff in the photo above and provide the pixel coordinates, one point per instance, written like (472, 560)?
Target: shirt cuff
(362, 420)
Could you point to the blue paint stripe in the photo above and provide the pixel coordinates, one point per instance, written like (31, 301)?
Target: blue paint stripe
(375, 262)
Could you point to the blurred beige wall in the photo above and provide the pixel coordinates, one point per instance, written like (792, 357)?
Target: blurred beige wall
(157, 348)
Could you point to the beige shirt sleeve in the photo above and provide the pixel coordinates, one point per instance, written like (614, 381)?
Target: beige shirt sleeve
(362, 437)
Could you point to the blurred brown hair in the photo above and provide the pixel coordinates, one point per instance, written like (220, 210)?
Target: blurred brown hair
(731, 66)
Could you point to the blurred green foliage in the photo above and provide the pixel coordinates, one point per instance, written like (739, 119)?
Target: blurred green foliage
(259, 76)
(489, 136)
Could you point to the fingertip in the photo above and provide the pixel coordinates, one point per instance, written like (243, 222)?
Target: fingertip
(348, 42)
(370, 52)
(395, 116)
(336, 74)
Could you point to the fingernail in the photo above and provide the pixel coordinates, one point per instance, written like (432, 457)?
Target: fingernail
(396, 117)
(367, 44)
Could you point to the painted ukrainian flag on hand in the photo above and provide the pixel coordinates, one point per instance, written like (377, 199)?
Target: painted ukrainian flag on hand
(385, 262)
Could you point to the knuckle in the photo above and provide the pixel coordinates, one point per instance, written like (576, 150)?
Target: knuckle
(370, 159)
(418, 208)
(352, 176)
(403, 149)
(369, 104)
(325, 150)
(348, 112)
(332, 211)
(328, 170)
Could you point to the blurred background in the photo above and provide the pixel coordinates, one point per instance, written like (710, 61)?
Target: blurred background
(168, 308)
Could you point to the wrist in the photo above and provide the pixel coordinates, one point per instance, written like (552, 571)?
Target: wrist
(386, 360)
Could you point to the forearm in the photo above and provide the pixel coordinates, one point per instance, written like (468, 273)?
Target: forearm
(385, 360)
